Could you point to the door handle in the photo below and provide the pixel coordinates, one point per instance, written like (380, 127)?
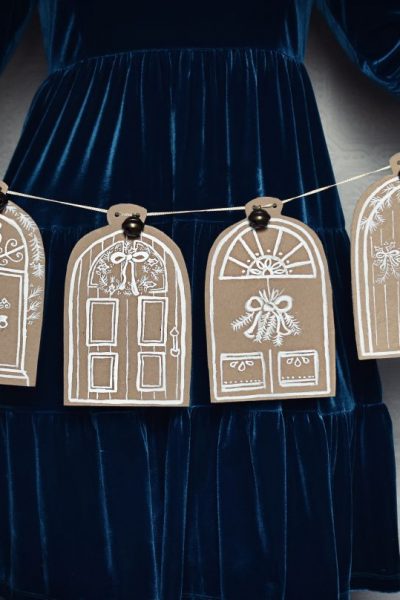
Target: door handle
(174, 333)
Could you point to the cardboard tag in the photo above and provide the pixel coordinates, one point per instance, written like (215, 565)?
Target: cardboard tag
(22, 279)
(270, 329)
(127, 318)
(375, 265)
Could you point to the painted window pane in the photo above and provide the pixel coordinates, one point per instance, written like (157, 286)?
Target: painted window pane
(283, 255)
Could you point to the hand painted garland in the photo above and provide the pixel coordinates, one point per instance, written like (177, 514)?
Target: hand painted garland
(128, 296)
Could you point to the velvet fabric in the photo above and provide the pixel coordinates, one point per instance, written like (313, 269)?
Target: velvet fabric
(184, 105)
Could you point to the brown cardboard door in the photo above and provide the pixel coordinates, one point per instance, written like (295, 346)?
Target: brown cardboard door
(127, 322)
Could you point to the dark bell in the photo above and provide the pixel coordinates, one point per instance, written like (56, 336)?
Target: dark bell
(3, 200)
(133, 226)
(259, 218)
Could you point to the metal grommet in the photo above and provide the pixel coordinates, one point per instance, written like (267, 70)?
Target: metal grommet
(133, 226)
(258, 218)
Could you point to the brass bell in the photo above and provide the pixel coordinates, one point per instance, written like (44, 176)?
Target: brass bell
(133, 226)
(258, 218)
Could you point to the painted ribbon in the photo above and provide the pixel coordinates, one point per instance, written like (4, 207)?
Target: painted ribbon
(125, 259)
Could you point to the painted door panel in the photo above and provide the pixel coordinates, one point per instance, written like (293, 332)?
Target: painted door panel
(102, 321)
(151, 371)
(152, 321)
(103, 371)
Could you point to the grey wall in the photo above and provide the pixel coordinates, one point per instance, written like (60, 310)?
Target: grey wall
(361, 123)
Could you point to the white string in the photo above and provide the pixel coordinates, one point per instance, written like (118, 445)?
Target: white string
(199, 210)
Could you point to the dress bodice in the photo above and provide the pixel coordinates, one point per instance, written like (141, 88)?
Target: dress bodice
(80, 29)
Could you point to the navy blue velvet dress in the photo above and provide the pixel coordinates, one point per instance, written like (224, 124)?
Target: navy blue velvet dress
(176, 105)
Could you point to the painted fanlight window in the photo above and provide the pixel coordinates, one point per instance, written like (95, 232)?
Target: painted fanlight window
(127, 319)
(376, 267)
(269, 313)
(22, 275)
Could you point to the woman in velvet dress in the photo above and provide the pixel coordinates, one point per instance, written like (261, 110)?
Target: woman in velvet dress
(183, 105)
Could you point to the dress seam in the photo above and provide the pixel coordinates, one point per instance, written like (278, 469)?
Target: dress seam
(129, 410)
(177, 49)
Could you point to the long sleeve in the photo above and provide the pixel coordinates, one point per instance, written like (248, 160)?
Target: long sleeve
(14, 16)
(369, 31)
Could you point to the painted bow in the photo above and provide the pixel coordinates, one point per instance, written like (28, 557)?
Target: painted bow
(269, 318)
(125, 259)
(387, 258)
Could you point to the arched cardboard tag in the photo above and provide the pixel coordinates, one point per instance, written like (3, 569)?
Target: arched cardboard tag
(270, 329)
(22, 279)
(127, 318)
(375, 265)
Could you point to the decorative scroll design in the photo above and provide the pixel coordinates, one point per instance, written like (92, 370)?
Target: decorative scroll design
(4, 304)
(35, 244)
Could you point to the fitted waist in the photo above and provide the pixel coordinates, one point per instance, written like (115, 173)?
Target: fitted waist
(229, 53)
